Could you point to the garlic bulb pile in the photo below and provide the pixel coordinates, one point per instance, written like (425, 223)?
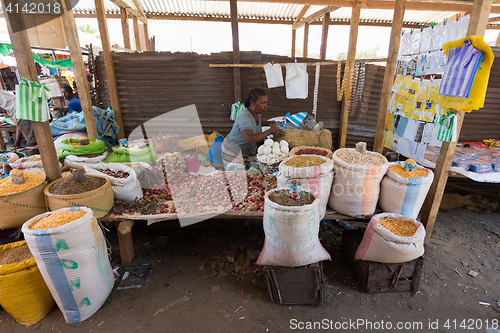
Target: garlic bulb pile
(272, 152)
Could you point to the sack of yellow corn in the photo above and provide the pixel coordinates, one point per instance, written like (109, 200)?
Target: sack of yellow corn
(23, 293)
(70, 250)
(402, 191)
(392, 238)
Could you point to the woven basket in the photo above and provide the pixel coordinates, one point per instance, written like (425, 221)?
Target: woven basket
(294, 151)
(268, 169)
(19, 207)
(100, 200)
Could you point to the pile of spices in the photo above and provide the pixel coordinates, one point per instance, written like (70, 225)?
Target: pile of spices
(398, 227)
(311, 151)
(283, 197)
(15, 255)
(304, 161)
(31, 179)
(114, 174)
(354, 157)
(70, 186)
(400, 170)
(56, 220)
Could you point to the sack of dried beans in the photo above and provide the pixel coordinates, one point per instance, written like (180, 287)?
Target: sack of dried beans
(403, 191)
(356, 184)
(392, 238)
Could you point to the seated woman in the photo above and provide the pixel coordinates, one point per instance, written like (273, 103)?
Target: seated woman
(240, 144)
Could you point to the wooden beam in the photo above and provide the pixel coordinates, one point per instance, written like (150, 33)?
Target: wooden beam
(348, 73)
(497, 44)
(494, 19)
(324, 35)
(139, 8)
(146, 36)
(27, 69)
(314, 17)
(109, 66)
(477, 27)
(132, 11)
(125, 241)
(303, 12)
(397, 20)
(73, 43)
(294, 37)
(125, 28)
(236, 49)
(306, 40)
(137, 35)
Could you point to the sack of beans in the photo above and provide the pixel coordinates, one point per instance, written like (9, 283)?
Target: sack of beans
(356, 184)
(126, 186)
(392, 238)
(23, 293)
(312, 172)
(71, 253)
(81, 161)
(403, 191)
(291, 225)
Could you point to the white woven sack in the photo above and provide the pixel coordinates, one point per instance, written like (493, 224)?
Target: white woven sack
(305, 172)
(321, 185)
(381, 245)
(80, 161)
(355, 188)
(73, 260)
(126, 189)
(404, 196)
(291, 234)
(22, 163)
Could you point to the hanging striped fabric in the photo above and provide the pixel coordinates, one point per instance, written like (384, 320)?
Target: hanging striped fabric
(31, 101)
(297, 118)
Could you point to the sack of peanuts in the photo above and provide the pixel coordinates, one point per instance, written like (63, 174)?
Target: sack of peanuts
(71, 253)
(392, 238)
(403, 191)
(313, 172)
(291, 231)
(123, 179)
(356, 184)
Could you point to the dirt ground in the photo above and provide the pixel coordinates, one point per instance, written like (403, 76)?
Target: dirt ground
(194, 285)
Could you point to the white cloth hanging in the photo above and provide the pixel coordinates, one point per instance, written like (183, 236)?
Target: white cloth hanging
(274, 75)
(296, 82)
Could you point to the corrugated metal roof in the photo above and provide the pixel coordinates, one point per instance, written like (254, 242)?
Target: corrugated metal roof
(259, 10)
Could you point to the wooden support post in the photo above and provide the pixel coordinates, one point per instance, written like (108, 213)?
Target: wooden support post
(477, 27)
(397, 24)
(348, 73)
(324, 35)
(306, 40)
(125, 241)
(125, 28)
(26, 68)
(236, 49)
(294, 37)
(146, 36)
(109, 66)
(73, 42)
(497, 44)
(137, 34)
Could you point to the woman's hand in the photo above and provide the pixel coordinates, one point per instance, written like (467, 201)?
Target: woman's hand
(276, 131)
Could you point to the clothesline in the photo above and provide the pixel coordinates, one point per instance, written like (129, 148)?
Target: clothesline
(322, 63)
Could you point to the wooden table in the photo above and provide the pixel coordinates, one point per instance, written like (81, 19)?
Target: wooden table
(124, 226)
(9, 128)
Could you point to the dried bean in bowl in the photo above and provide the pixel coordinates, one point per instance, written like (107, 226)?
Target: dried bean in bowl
(114, 174)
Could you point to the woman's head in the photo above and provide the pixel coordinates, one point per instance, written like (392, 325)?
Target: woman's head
(257, 100)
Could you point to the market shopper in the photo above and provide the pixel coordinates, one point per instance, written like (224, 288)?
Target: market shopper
(24, 128)
(74, 103)
(240, 144)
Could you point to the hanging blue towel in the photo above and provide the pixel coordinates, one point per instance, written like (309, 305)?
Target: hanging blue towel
(296, 119)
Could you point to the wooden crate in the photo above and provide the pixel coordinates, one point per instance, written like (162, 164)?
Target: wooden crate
(303, 285)
(375, 277)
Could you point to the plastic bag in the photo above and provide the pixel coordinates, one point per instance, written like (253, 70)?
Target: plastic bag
(23, 293)
(404, 46)
(165, 143)
(274, 75)
(415, 42)
(215, 152)
(426, 40)
(297, 81)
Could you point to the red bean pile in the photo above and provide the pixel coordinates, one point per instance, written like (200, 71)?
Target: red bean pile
(114, 174)
(311, 151)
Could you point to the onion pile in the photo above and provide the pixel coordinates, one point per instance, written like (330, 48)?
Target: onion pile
(172, 162)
